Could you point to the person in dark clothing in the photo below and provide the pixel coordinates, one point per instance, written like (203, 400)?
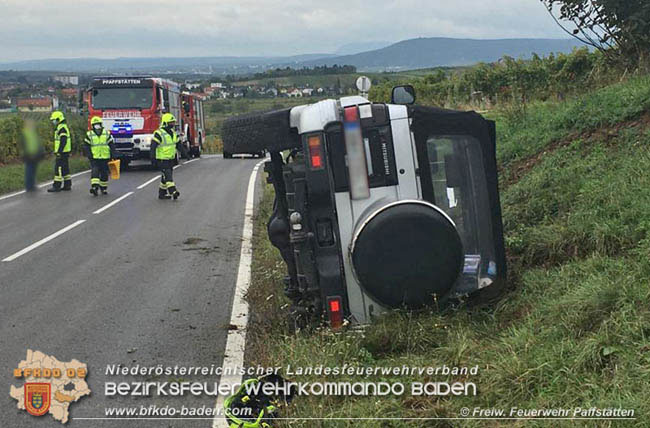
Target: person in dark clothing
(99, 148)
(164, 144)
(32, 152)
(62, 149)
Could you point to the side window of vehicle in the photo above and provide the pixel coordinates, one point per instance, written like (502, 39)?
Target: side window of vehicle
(165, 99)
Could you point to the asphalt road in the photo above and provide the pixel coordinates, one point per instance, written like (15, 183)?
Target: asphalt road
(143, 282)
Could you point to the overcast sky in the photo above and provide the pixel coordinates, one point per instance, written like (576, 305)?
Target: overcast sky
(34, 29)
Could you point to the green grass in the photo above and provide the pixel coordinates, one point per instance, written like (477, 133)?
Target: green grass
(573, 329)
(525, 134)
(12, 176)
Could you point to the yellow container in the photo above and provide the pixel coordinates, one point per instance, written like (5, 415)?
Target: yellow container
(114, 168)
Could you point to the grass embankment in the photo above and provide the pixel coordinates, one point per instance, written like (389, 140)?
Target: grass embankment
(12, 176)
(573, 328)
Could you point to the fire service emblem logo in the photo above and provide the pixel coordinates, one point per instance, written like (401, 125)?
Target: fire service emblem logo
(37, 398)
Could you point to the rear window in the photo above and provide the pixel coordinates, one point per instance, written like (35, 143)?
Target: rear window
(460, 188)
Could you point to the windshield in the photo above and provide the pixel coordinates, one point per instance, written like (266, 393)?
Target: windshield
(120, 98)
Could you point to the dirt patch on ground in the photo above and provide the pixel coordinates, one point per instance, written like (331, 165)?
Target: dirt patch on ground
(193, 241)
(204, 250)
(605, 135)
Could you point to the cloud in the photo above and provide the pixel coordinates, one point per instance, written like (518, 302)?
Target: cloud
(62, 29)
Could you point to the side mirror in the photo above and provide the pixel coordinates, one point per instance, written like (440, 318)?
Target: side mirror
(403, 95)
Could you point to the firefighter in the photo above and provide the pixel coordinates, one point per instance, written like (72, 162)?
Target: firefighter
(100, 148)
(62, 148)
(164, 144)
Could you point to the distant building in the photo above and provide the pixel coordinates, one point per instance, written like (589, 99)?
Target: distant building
(43, 104)
(218, 85)
(69, 93)
(294, 93)
(67, 80)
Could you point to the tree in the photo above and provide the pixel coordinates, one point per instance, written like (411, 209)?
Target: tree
(619, 28)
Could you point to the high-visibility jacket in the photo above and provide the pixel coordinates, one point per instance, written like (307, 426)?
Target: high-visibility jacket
(61, 130)
(166, 148)
(31, 147)
(99, 144)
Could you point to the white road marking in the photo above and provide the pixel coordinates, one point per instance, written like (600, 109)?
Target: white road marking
(236, 341)
(42, 241)
(72, 176)
(143, 185)
(11, 195)
(105, 207)
(47, 183)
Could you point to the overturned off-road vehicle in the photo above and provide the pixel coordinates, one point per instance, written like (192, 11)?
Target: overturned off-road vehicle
(379, 206)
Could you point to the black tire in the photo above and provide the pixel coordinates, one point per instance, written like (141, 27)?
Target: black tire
(259, 133)
(227, 155)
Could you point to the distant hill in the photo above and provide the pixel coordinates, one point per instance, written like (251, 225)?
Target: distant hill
(439, 51)
(232, 64)
(404, 55)
(355, 48)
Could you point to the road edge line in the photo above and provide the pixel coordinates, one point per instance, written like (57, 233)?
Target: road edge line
(236, 339)
(39, 185)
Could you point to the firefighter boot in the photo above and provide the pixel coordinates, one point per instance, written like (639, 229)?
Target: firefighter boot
(162, 194)
(56, 187)
(67, 184)
(94, 190)
(174, 192)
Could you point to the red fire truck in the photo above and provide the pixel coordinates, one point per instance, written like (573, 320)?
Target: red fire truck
(131, 108)
(193, 125)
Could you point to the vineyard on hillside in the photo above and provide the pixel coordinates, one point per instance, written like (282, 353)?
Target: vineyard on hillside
(11, 126)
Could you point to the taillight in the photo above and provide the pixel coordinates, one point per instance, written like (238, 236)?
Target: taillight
(335, 311)
(315, 145)
(356, 154)
(351, 114)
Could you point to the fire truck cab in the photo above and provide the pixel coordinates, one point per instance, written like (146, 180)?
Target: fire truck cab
(131, 109)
